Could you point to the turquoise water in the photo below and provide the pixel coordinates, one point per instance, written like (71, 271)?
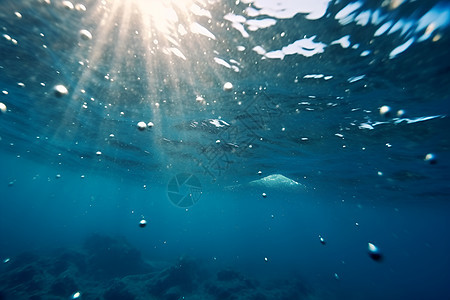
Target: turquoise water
(278, 140)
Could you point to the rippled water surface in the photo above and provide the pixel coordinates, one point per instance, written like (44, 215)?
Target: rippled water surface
(276, 139)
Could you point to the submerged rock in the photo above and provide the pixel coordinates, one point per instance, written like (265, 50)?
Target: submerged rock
(113, 257)
(118, 291)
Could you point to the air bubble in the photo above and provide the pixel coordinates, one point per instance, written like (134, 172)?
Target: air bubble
(141, 126)
(200, 99)
(401, 113)
(80, 7)
(3, 108)
(374, 252)
(60, 90)
(385, 111)
(68, 5)
(322, 240)
(85, 35)
(228, 86)
(430, 158)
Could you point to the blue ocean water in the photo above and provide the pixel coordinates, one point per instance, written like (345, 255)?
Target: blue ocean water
(256, 149)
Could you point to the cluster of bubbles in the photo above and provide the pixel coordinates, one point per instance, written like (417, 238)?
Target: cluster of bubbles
(142, 125)
(70, 6)
(386, 111)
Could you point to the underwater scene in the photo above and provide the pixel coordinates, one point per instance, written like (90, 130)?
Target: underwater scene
(224, 149)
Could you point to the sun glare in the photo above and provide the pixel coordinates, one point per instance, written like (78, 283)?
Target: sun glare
(156, 51)
(150, 52)
(160, 14)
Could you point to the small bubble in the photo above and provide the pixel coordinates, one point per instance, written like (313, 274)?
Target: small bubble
(374, 252)
(76, 295)
(401, 113)
(80, 7)
(18, 15)
(200, 99)
(266, 259)
(57, 176)
(142, 223)
(322, 240)
(259, 172)
(85, 35)
(385, 111)
(264, 195)
(228, 86)
(98, 153)
(150, 124)
(3, 108)
(68, 5)
(430, 158)
(141, 126)
(60, 90)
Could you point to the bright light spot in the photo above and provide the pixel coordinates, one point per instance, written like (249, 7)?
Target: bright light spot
(161, 14)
